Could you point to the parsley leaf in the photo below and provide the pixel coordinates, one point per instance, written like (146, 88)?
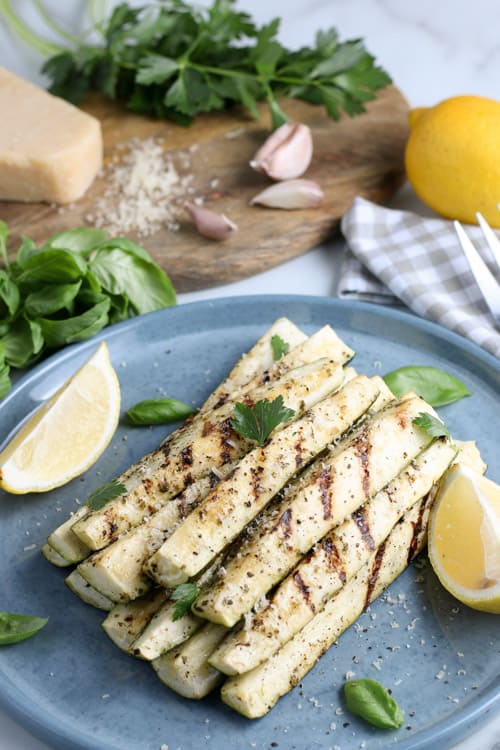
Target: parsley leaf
(279, 347)
(102, 495)
(257, 422)
(175, 60)
(432, 426)
(184, 595)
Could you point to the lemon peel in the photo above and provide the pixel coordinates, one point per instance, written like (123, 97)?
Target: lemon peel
(68, 433)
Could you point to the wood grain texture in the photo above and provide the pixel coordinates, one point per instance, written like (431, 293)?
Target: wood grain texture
(358, 156)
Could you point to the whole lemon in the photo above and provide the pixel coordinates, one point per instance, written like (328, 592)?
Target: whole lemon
(453, 157)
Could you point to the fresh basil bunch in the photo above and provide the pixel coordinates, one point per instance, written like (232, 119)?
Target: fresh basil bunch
(77, 283)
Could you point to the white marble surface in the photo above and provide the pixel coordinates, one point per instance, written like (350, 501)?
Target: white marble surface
(433, 49)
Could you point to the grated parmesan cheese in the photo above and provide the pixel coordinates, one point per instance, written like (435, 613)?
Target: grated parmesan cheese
(144, 191)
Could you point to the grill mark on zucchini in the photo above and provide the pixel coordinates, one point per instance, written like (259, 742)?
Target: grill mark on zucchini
(186, 456)
(304, 590)
(417, 529)
(285, 524)
(374, 573)
(362, 448)
(324, 482)
(334, 558)
(360, 517)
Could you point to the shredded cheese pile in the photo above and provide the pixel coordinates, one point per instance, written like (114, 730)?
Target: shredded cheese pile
(143, 192)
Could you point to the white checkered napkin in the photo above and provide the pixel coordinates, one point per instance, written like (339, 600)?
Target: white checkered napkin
(398, 254)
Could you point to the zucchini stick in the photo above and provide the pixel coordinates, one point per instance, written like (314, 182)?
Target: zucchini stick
(258, 359)
(228, 508)
(79, 586)
(186, 669)
(54, 557)
(332, 562)
(254, 693)
(116, 571)
(207, 441)
(126, 621)
(64, 541)
(248, 367)
(326, 493)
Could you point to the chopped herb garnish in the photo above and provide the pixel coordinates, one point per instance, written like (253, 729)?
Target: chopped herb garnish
(16, 628)
(370, 700)
(257, 422)
(184, 596)
(102, 495)
(432, 426)
(279, 347)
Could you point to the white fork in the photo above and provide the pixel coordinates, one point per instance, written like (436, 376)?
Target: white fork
(489, 286)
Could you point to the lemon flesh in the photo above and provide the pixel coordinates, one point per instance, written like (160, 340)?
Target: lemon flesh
(68, 433)
(452, 157)
(464, 538)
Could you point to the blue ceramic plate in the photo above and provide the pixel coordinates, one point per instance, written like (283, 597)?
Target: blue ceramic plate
(72, 688)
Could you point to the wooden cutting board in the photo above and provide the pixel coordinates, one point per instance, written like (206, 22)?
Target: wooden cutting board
(356, 156)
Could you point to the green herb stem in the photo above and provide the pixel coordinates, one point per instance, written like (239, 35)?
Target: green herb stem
(33, 40)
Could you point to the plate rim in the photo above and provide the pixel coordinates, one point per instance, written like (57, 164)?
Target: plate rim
(451, 729)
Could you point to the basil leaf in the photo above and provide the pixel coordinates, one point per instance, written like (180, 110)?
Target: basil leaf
(185, 595)
(50, 299)
(279, 347)
(102, 495)
(9, 296)
(78, 328)
(26, 250)
(432, 426)
(22, 342)
(159, 411)
(81, 239)
(437, 387)
(52, 267)
(257, 422)
(370, 700)
(16, 628)
(121, 271)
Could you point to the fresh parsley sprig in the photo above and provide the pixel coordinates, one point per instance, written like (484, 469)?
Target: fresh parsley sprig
(175, 60)
(432, 426)
(184, 596)
(279, 347)
(258, 421)
(104, 494)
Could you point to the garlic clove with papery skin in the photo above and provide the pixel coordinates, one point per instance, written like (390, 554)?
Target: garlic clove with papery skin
(290, 194)
(287, 152)
(209, 224)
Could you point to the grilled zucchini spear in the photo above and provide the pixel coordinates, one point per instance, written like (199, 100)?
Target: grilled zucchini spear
(332, 562)
(254, 693)
(225, 512)
(332, 488)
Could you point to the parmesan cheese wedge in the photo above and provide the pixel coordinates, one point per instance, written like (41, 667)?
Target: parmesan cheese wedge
(49, 150)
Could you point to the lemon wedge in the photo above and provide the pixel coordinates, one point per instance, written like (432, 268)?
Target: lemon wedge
(68, 433)
(464, 538)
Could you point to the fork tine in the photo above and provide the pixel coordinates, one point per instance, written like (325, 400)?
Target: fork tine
(490, 237)
(485, 279)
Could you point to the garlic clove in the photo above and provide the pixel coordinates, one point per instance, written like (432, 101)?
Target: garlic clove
(210, 224)
(290, 195)
(287, 152)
